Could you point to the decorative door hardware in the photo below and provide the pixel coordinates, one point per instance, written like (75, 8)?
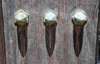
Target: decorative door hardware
(50, 22)
(21, 21)
(79, 19)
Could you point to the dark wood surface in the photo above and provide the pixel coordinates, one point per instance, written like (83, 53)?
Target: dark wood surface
(64, 50)
(2, 42)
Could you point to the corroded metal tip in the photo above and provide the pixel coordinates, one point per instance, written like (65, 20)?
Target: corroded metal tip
(21, 18)
(78, 39)
(50, 18)
(50, 32)
(79, 17)
(22, 39)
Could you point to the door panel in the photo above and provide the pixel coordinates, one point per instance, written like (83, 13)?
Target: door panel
(64, 50)
(90, 30)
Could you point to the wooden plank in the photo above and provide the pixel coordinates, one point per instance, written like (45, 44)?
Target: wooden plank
(2, 42)
(97, 58)
(90, 31)
(65, 32)
(64, 50)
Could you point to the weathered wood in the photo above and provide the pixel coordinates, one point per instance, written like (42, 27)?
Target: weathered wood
(90, 31)
(2, 42)
(64, 50)
(97, 55)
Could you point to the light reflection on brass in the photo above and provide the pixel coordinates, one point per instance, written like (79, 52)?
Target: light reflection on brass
(21, 18)
(50, 18)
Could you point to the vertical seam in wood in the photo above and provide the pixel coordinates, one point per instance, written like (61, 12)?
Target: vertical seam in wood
(2, 43)
(97, 40)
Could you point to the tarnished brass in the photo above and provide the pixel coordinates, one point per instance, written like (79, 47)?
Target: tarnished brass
(21, 18)
(50, 18)
(79, 17)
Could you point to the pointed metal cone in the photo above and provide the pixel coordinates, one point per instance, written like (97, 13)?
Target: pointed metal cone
(22, 39)
(50, 38)
(78, 38)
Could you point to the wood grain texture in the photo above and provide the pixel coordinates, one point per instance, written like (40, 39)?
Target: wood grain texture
(2, 42)
(97, 55)
(64, 50)
(90, 30)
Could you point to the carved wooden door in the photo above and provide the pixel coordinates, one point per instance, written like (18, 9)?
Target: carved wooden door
(37, 53)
